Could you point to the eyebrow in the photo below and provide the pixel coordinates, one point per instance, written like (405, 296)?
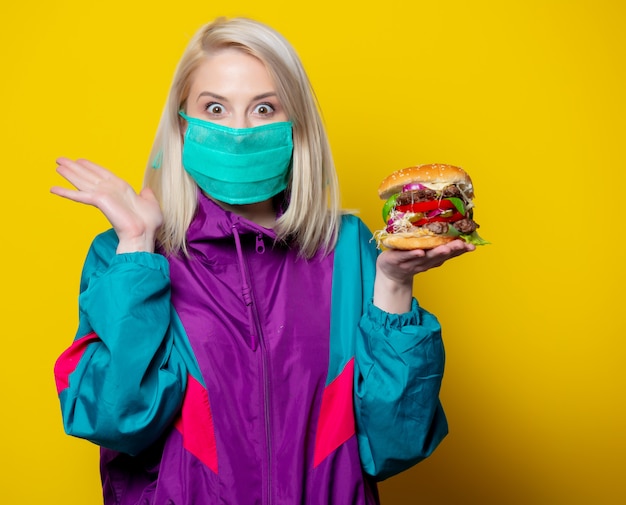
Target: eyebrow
(220, 97)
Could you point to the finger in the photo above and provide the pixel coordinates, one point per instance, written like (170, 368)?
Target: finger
(71, 194)
(84, 169)
(79, 165)
(76, 175)
(400, 256)
(95, 169)
(461, 247)
(447, 252)
(454, 247)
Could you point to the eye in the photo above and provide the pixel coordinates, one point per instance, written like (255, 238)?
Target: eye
(215, 108)
(264, 109)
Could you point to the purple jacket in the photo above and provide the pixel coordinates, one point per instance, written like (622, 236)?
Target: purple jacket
(243, 374)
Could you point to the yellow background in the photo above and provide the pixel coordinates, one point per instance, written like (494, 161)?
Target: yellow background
(527, 95)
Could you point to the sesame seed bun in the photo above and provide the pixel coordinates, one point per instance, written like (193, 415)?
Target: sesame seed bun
(408, 241)
(432, 175)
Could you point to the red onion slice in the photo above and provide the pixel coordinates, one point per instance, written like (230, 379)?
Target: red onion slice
(412, 186)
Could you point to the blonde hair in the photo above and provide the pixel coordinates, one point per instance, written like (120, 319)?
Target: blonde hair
(311, 220)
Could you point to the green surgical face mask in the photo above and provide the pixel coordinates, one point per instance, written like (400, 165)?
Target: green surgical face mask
(238, 165)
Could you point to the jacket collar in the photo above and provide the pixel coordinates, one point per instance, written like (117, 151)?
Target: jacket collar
(212, 222)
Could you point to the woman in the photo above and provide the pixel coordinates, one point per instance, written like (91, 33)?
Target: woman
(240, 340)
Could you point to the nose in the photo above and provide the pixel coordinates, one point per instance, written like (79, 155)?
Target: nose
(239, 121)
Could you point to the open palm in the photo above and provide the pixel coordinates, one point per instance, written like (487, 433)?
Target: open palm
(134, 216)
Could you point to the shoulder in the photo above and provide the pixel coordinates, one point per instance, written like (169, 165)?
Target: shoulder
(354, 233)
(356, 244)
(351, 224)
(355, 260)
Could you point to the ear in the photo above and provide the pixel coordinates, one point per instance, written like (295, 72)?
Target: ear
(182, 125)
(182, 128)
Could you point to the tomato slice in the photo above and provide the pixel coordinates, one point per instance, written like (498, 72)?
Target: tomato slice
(430, 205)
(426, 206)
(457, 216)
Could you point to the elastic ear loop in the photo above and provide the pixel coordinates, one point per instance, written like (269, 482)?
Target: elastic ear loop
(158, 160)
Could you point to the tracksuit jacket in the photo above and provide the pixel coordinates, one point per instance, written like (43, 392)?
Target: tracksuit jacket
(244, 374)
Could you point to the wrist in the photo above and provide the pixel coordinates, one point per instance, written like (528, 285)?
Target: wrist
(140, 243)
(392, 295)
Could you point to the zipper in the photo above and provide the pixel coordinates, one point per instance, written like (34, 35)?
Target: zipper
(267, 484)
(268, 419)
(260, 244)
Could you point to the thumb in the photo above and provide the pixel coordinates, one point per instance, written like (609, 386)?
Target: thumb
(148, 194)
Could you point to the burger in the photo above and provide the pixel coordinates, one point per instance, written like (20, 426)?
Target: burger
(427, 206)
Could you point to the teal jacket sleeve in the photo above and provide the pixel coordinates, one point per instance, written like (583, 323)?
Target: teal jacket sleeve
(399, 362)
(122, 381)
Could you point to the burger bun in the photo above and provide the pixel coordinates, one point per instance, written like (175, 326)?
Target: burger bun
(432, 175)
(408, 241)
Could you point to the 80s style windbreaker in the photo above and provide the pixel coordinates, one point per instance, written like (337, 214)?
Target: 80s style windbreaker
(243, 374)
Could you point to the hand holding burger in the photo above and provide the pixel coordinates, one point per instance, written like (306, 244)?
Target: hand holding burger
(427, 206)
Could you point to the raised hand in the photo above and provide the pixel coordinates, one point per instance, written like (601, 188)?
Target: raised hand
(135, 217)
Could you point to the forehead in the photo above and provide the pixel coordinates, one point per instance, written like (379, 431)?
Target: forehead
(231, 69)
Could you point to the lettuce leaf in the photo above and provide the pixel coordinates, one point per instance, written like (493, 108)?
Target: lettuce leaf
(458, 203)
(475, 239)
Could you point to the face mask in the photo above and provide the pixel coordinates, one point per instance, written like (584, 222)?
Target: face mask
(238, 165)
